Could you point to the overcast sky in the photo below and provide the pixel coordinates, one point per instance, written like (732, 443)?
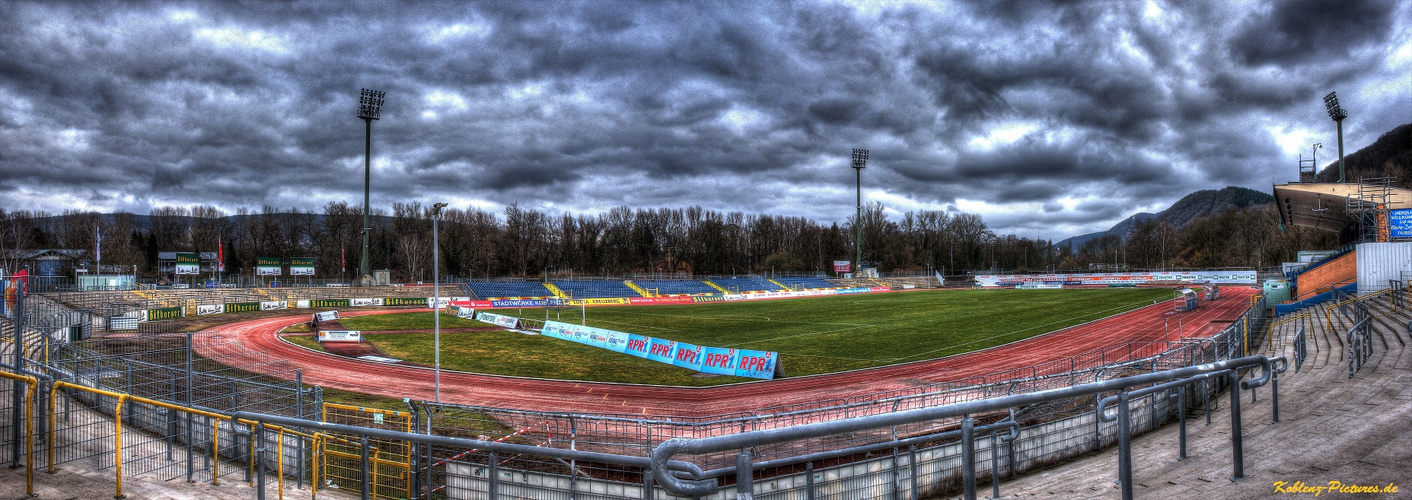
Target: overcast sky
(1047, 119)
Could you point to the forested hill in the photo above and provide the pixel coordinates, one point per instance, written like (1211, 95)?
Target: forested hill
(1389, 156)
(1194, 206)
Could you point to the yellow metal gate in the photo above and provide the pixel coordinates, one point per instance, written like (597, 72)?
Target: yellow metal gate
(389, 461)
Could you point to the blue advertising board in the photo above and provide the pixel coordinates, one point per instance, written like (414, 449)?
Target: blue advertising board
(1399, 223)
(705, 359)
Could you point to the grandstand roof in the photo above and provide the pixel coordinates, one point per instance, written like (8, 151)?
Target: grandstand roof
(1325, 205)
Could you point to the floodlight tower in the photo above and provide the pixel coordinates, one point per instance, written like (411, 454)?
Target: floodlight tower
(860, 161)
(1338, 114)
(369, 107)
(436, 290)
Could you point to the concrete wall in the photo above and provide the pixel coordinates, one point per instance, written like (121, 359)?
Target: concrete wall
(1343, 269)
(937, 468)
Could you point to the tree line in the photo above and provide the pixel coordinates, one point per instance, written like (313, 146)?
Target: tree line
(523, 242)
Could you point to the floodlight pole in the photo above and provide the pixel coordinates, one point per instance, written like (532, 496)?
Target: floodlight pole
(369, 108)
(436, 293)
(1337, 113)
(860, 161)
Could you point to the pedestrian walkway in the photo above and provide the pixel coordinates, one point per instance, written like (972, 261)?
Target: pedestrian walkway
(1333, 430)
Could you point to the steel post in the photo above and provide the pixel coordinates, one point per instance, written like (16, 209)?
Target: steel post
(968, 457)
(1237, 446)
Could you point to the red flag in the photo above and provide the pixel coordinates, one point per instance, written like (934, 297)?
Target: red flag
(220, 255)
(343, 258)
(22, 276)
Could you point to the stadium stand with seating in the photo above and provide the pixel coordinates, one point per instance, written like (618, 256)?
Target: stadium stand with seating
(805, 282)
(488, 289)
(746, 284)
(596, 289)
(675, 287)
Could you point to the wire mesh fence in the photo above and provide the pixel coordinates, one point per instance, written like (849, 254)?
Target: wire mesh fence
(167, 443)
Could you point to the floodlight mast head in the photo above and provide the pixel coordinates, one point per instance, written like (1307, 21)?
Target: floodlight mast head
(370, 104)
(1336, 112)
(436, 209)
(860, 158)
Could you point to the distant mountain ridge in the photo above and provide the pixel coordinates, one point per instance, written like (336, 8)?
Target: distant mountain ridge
(1191, 207)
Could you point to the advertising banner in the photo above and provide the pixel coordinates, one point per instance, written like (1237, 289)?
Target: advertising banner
(188, 263)
(267, 266)
(404, 301)
(204, 309)
(165, 313)
(638, 345)
(1399, 223)
(595, 302)
(687, 356)
(274, 305)
(325, 316)
(661, 350)
(478, 304)
(498, 319)
(680, 299)
(365, 302)
(320, 303)
(301, 266)
(1235, 277)
(842, 266)
(719, 360)
(518, 303)
(340, 335)
(702, 299)
(464, 312)
(240, 307)
(756, 364)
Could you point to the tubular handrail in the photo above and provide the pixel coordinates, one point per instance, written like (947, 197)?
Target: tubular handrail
(663, 453)
(325, 428)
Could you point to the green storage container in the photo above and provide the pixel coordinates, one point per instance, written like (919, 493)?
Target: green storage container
(1276, 291)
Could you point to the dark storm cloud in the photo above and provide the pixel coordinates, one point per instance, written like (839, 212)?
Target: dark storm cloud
(1300, 32)
(1042, 116)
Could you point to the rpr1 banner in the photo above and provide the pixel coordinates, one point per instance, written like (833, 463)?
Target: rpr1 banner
(738, 362)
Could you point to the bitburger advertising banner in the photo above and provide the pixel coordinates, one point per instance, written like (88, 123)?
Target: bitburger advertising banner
(188, 263)
(301, 266)
(268, 266)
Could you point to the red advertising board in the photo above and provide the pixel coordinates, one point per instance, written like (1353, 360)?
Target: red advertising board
(842, 266)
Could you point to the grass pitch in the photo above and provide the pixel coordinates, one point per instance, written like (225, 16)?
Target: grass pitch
(813, 335)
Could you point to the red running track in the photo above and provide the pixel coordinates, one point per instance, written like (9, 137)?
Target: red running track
(251, 342)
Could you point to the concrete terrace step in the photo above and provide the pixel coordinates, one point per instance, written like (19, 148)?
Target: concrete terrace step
(1332, 428)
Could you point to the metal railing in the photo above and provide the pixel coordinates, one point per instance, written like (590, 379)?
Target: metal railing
(743, 443)
(1301, 347)
(1034, 435)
